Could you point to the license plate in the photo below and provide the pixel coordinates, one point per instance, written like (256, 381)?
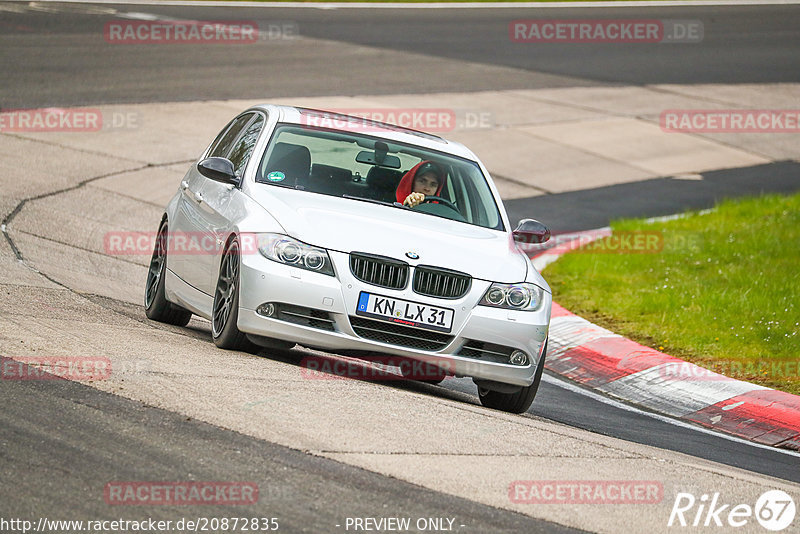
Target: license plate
(405, 312)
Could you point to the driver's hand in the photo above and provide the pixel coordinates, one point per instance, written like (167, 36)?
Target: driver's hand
(413, 199)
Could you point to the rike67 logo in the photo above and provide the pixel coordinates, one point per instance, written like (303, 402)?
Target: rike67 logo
(774, 510)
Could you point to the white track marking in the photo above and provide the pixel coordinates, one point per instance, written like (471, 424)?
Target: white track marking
(659, 389)
(611, 402)
(676, 216)
(570, 331)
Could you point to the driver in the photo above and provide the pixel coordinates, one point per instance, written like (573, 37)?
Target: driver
(424, 179)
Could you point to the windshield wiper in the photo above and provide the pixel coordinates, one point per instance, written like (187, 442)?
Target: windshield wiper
(373, 201)
(287, 186)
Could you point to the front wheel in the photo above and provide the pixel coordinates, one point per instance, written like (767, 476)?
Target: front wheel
(518, 402)
(225, 313)
(156, 305)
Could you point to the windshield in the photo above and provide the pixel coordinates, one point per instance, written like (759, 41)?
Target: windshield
(356, 166)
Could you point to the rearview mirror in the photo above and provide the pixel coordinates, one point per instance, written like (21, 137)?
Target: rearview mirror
(531, 231)
(371, 158)
(219, 170)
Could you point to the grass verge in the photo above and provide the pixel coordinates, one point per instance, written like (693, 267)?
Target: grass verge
(720, 289)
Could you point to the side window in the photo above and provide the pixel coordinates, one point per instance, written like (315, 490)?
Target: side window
(244, 146)
(223, 146)
(219, 137)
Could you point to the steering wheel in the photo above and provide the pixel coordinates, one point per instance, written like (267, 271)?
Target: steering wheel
(444, 201)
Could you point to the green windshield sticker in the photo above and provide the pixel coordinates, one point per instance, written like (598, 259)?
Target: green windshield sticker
(276, 176)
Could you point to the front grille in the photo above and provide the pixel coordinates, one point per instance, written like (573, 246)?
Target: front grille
(481, 350)
(441, 283)
(379, 271)
(304, 316)
(403, 336)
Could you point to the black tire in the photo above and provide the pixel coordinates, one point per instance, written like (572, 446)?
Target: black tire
(518, 402)
(225, 313)
(156, 305)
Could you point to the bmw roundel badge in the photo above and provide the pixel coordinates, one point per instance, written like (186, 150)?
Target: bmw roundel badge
(412, 255)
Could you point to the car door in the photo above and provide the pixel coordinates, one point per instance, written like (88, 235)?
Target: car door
(217, 196)
(194, 223)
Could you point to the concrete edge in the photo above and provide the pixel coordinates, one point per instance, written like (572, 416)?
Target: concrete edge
(599, 359)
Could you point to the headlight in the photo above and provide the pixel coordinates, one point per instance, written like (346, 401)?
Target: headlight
(524, 297)
(288, 251)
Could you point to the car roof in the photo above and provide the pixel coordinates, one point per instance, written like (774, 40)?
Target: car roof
(312, 117)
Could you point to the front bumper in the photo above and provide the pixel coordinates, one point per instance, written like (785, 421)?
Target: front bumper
(265, 281)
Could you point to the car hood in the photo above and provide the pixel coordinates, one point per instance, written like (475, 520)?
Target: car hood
(349, 225)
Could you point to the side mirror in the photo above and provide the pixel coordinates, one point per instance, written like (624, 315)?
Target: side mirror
(219, 170)
(531, 231)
